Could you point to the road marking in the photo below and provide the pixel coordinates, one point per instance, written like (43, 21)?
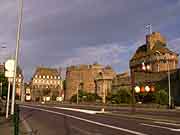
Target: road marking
(167, 123)
(78, 110)
(83, 131)
(89, 121)
(171, 129)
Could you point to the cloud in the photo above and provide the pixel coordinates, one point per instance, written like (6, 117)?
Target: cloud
(175, 45)
(64, 32)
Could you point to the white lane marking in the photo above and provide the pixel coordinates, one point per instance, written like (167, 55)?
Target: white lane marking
(167, 123)
(89, 121)
(78, 110)
(171, 129)
(83, 131)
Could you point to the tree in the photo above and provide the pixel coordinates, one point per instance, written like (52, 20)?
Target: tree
(122, 96)
(162, 97)
(55, 94)
(4, 82)
(85, 97)
(46, 92)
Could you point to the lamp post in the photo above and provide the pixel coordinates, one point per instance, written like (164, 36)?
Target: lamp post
(0, 90)
(77, 96)
(169, 81)
(169, 85)
(20, 12)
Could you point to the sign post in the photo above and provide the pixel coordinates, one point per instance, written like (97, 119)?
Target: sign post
(9, 65)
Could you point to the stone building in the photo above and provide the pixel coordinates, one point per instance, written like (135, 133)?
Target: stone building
(121, 81)
(155, 54)
(46, 82)
(2, 68)
(85, 77)
(19, 83)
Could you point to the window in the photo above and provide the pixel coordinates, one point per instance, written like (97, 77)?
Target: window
(59, 77)
(19, 80)
(51, 77)
(36, 76)
(40, 76)
(47, 76)
(55, 77)
(44, 76)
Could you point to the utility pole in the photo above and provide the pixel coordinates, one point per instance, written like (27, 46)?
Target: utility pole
(0, 90)
(20, 12)
(133, 108)
(77, 95)
(169, 85)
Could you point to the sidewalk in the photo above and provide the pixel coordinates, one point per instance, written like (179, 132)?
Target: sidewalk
(6, 126)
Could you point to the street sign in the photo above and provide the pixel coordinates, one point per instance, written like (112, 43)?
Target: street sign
(9, 65)
(9, 74)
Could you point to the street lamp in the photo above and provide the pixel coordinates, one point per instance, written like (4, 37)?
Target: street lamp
(20, 13)
(169, 81)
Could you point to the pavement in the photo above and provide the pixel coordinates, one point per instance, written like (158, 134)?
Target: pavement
(139, 112)
(6, 127)
(55, 120)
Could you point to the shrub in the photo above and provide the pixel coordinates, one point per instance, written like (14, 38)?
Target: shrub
(122, 96)
(162, 97)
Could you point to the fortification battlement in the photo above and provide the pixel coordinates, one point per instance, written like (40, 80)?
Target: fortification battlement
(154, 38)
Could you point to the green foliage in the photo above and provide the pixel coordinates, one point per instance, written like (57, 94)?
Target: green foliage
(162, 97)
(46, 92)
(4, 81)
(122, 96)
(146, 97)
(64, 84)
(55, 95)
(85, 97)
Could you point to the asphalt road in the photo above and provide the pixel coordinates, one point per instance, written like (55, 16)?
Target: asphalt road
(53, 121)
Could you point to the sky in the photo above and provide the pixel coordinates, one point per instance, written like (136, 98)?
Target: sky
(60, 33)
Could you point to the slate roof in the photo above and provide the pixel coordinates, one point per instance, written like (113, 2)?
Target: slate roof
(46, 71)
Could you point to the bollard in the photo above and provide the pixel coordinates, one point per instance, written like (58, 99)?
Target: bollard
(16, 119)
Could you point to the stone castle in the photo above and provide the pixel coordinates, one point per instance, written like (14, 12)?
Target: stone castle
(93, 78)
(155, 54)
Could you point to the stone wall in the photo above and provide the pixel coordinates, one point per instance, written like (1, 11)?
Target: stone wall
(84, 75)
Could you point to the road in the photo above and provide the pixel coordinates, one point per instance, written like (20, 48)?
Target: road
(58, 121)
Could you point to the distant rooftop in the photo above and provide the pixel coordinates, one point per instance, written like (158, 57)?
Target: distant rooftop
(46, 71)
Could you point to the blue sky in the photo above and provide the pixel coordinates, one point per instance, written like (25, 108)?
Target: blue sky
(59, 33)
